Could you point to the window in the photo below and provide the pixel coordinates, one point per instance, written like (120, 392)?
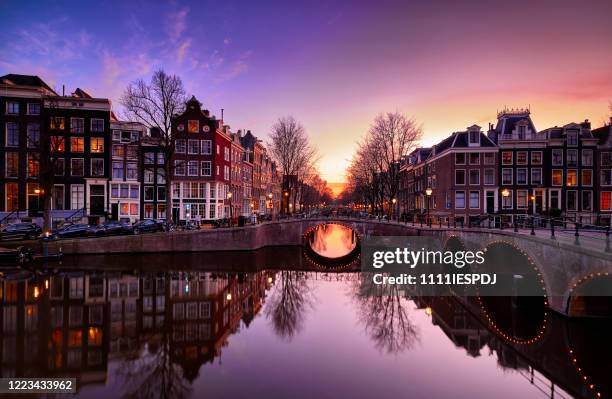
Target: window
(57, 199)
(33, 165)
(11, 191)
(180, 146)
(507, 201)
(489, 158)
(226, 153)
(489, 177)
(557, 177)
(33, 108)
(572, 200)
(211, 211)
(536, 157)
(521, 158)
(572, 139)
(507, 158)
(179, 168)
(521, 199)
(572, 178)
(77, 125)
(554, 199)
(149, 176)
(193, 146)
(474, 137)
(536, 176)
(206, 168)
(57, 123)
(149, 193)
(59, 167)
(460, 158)
(605, 201)
(12, 134)
(587, 200)
(161, 193)
(557, 157)
(33, 135)
(12, 164)
(132, 171)
(192, 168)
(587, 157)
(149, 157)
(148, 211)
(161, 158)
(77, 167)
(507, 176)
(459, 199)
(132, 152)
(118, 151)
(474, 199)
(572, 158)
(117, 170)
(460, 177)
(116, 135)
(75, 313)
(606, 159)
(77, 144)
(606, 177)
(57, 144)
(97, 144)
(134, 191)
(474, 158)
(521, 176)
(206, 147)
(193, 126)
(587, 177)
(97, 125)
(474, 177)
(522, 130)
(76, 291)
(226, 172)
(97, 167)
(12, 108)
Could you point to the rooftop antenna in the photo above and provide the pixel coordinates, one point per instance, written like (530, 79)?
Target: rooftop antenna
(222, 113)
(63, 90)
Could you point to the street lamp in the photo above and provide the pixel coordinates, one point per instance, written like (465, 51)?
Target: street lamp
(428, 193)
(229, 197)
(270, 196)
(393, 201)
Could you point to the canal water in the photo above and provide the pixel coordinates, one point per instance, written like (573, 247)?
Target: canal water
(261, 324)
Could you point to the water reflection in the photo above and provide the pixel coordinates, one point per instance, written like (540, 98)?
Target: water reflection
(176, 334)
(332, 240)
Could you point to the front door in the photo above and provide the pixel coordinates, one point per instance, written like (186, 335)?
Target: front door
(490, 198)
(115, 211)
(539, 201)
(96, 199)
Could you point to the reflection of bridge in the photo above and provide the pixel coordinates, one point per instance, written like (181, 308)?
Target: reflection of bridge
(564, 264)
(557, 363)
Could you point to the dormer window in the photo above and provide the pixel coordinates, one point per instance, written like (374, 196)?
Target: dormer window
(522, 132)
(572, 139)
(193, 126)
(474, 137)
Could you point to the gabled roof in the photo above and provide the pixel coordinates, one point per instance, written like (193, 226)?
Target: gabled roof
(25, 80)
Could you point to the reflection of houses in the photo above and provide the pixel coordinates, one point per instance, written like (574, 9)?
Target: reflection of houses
(205, 308)
(51, 328)
(123, 298)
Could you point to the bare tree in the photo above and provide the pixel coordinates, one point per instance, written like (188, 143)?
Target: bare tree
(290, 148)
(154, 104)
(383, 311)
(290, 298)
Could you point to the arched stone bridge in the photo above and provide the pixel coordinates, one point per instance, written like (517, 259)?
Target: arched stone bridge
(564, 266)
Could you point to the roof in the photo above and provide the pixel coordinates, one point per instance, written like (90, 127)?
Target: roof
(603, 134)
(506, 123)
(25, 80)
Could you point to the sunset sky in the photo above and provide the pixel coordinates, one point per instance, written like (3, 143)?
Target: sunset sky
(332, 65)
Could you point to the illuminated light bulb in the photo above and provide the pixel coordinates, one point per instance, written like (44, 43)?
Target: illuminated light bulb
(36, 292)
(229, 296)
(47, 284)
(428, 311)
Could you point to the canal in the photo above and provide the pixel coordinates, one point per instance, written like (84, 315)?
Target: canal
(260, 324)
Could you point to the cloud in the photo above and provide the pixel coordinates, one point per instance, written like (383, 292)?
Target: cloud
(176, 24)
(182, 50)
(227, 41)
